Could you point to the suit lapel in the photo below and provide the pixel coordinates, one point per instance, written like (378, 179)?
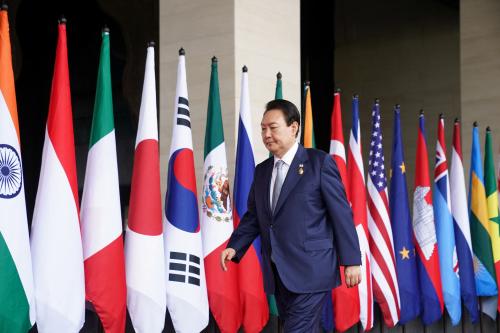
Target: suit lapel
(267, 178)
(292, 177)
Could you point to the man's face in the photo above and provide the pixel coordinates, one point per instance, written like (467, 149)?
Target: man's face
(276, 135)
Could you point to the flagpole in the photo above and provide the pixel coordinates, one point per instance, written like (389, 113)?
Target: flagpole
(303, 112)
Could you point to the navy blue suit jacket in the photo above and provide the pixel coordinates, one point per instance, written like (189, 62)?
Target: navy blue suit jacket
(311, 231)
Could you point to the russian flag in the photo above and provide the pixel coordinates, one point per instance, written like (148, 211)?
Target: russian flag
(252, 296)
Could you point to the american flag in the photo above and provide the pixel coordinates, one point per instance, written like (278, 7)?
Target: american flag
(385, 284)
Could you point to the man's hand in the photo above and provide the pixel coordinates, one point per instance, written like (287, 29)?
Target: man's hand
(225, 256)
(352, 275)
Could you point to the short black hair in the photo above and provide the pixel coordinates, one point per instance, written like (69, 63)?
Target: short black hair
(289, 110)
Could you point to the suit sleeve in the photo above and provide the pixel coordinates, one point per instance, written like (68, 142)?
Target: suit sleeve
(248, 229)
(340, 212)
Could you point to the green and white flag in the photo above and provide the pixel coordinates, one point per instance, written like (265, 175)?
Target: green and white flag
(217, 217)
(100, 216)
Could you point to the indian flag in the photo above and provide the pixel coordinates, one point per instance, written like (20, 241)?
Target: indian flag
(17, 310)
(309, 140)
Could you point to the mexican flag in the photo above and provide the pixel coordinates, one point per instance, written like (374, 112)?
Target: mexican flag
(217, 219)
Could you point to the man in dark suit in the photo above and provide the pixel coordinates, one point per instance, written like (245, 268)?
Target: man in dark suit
(297, 205)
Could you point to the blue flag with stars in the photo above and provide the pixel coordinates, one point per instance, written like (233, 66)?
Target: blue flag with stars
(406, 264)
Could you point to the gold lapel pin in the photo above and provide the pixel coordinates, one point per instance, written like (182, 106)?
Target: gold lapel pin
(301, 169)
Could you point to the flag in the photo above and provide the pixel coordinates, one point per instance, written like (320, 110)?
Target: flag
(491, 305)
(17, 308)
(357, 198)
(101, 219)
(186, 287)
(254, 306)
(216, 218)
(309, 141)
(56, 243)
(279, 87)
(144, 252)
(448, 261)
(345, 300)
(461, 227)
(383, 265)
(271, 300)
(424, 233)
(404, 246)
(484, 269)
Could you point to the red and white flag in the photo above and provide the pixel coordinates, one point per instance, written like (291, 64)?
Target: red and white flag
(144, 251)
(357, 198)
(56, 243)
(383, 262)
(345, 300)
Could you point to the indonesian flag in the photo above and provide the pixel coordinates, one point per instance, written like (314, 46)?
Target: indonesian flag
(357, 198)
(187, 300)
(101, 212)
(17, 305)
(144, 252)
(217, 219)
(346, 302)
(56, 243)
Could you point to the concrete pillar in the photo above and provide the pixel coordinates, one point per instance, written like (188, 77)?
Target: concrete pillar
(263, 35)
(480, 71)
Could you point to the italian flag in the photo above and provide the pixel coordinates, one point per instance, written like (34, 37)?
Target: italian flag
(100, 215)
(17, 309)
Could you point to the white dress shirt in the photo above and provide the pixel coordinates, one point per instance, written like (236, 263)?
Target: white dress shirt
(287, 159)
